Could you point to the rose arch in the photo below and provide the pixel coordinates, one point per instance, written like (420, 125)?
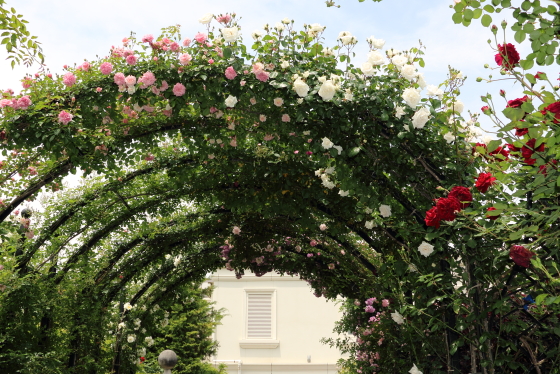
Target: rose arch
(282, 156)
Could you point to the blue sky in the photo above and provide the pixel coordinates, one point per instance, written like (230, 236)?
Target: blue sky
(72, 31)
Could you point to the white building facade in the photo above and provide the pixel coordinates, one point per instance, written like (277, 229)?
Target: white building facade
(273, 325)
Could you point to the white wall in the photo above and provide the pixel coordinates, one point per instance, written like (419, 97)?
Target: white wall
(301, 321)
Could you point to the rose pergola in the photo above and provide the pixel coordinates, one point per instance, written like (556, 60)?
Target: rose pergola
(282, 156)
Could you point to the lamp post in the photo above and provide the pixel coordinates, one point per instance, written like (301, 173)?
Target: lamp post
(167, 360)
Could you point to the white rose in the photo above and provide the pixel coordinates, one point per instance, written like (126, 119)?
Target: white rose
(414, 370)
(231, 101)
(327, 90)
(286, 21)
(458, 106)
(348, 95)
(301, 87)
(327, 144)
(346, 37)
(376, 58)
(449, 137)
(279, 26)
(391, 52)
(284, 64)
(399, 112)
(131, 338)
(378, 43)
(343, 193)
(425, 249)
(369, 225)
(399, 60)
(206, 19)
(328, 51)
(367, 69)
(434, 91)
(411, 96)
(397, 317)
(338, 148)
(409, 72)
(420, 118)
(421, 81)
(315, 27)
(385, 211)
(230, 34)
(257, 34)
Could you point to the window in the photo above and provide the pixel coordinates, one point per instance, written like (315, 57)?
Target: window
(260, 319)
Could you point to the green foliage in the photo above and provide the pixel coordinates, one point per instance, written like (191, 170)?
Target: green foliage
(21, 46)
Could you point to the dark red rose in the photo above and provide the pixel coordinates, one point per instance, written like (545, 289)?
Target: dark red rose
(529, 161)
(543, 169)
(484, 181)
(493, 218)
(446, 208)
(555, 109)
(540, 75)
(486, 109)
(520, 255)
(142, 359)
(463, 194)
(512, 148)
(529, 149)
(516, 103)
(501, 151)
(432, 218)
(507, 56)
(520, 132)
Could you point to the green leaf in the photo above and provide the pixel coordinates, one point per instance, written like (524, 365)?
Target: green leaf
(457, 17)
(526, 64)
(477, 13)
(493, 145)
(519, 36)
(489, 8)
(514, 114)
(468, 14)
(486, 20)
(539, 299)
(227, 52)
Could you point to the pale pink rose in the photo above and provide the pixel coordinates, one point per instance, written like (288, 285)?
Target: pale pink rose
(322, 227)
(131, 60)
(253, 101)
(24, 102)
(211, 61)
(106, 68)
(242, 83)
(147, 79)
(268, 137)
(69, 79)
(179, 89)
(155, 90)
(32, 170)
(64, 117)
(155, 58)
(262, 75)
(164, 86)
(174, 46)
(147, 38)
(119, 79)
(26, 82)
(200, 37)
(262, 118)
(278, 101)
(230, 73)
(236, 230)
(29, 234)
(99, 89)
(186, 42)
(296, 152)
(130, 80)
(85, 66)
(257, 66)
(331, 266)
(233, 142)
(313, 243)
(285, 118)
(5, 103)
(213, 110)
(149, 157)
(125, 41)
(224, 19)
(185, 58)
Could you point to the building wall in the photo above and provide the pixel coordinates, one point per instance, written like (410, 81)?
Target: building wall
(301, 320)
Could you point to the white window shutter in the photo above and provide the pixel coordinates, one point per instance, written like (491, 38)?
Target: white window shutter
(259, 315)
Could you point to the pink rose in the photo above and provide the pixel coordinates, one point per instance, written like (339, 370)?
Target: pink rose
(185, 58)
(211, 61)
(24, 102)
(106, 68)
(69, 79)
(85, 66)
(179, 89)
(186, 42)
(230, 73)
(130, 80)
(174, 46)
(200, 37)
(164, 86)
(262, 75)
(147, 79)
(64, 117)
(285, 118)
(147, 38)
(131, 60)
(119, 79)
